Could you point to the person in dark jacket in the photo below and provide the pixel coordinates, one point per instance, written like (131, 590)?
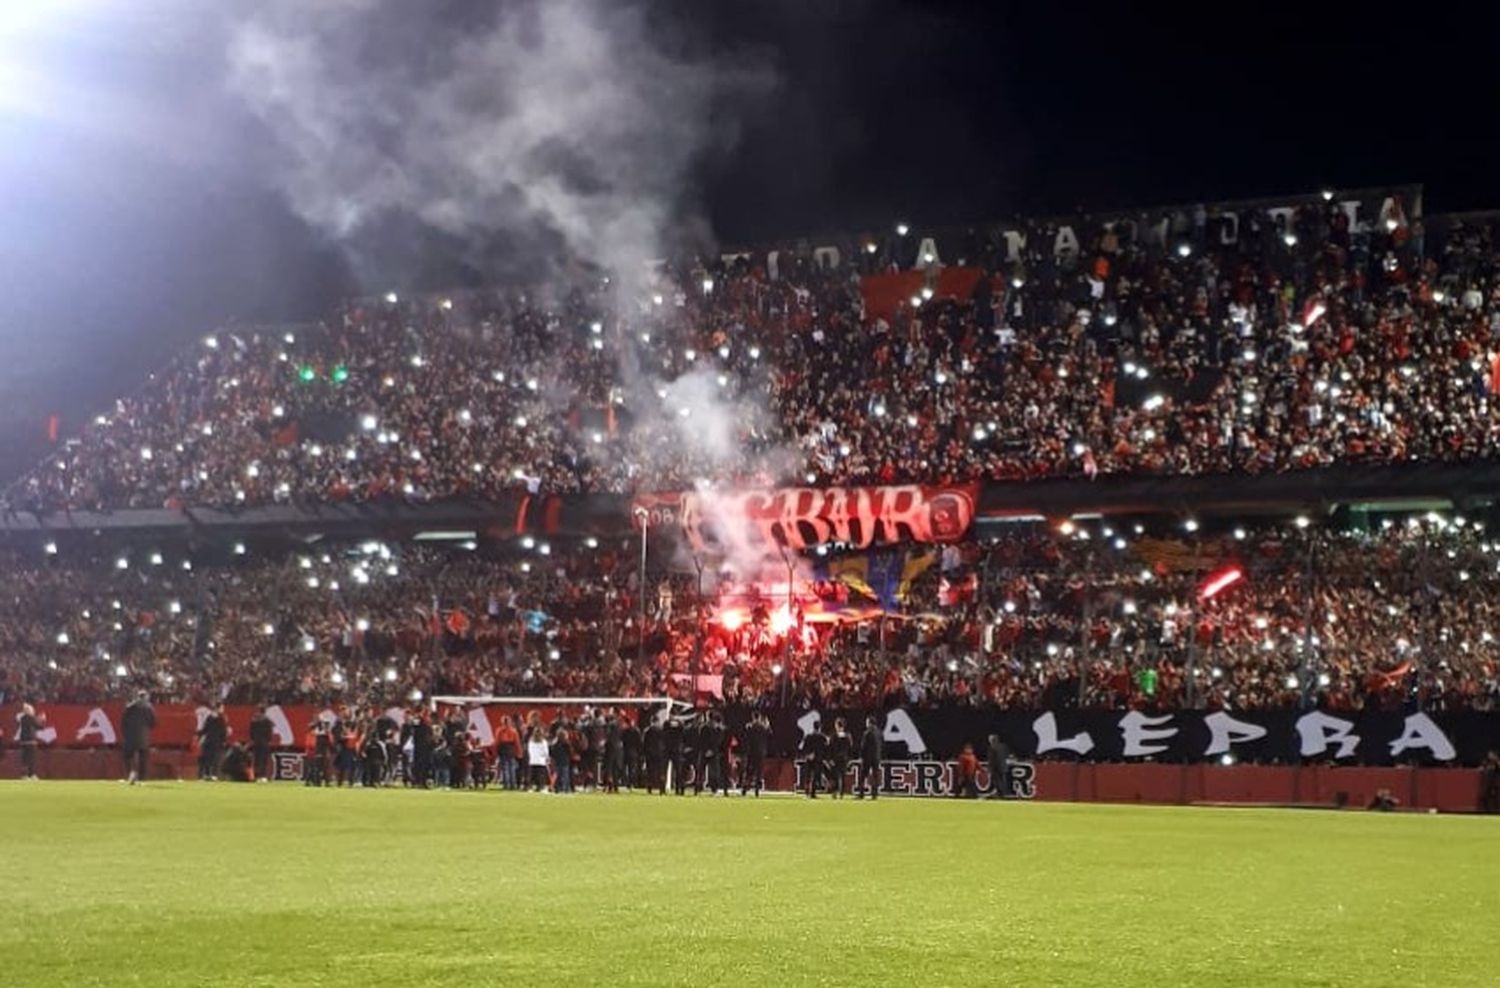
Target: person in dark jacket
(630, 744)
(713, 738)
(261, 734)
(997, 757)
(213, 736)
(814, 750)
(654, 744)
(871, 747)
(757, 736)
(840, 751)
(614, 753)
(676, 751)
(135, 727)
(29, 722)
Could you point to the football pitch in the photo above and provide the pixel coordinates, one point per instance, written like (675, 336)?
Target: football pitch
(187, 884)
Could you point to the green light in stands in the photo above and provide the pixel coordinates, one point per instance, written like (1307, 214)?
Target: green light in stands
(305, 374)
(340, 374)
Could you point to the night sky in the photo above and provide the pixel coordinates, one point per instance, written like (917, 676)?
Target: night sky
(112, 255)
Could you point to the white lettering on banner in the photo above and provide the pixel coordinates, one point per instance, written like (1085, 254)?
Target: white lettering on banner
(826, 258)
(924, 778)
(927, 255)
(1045, 728)
(1015, 243)
(929, 778)
(1229, 231)
(1284, 213)
(281, 727)
(1224, 732)
(47, 735)
(1136, 729)
(1351, 210)
(98, 723)
(1065, 244)
(1318, 730)
(899, 729)
(1421, 732)
(480, 725)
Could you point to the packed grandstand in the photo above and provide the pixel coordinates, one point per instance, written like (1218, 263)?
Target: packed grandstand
(1277, 338)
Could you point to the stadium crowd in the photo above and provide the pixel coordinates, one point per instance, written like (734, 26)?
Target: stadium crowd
(1307, 342)
(1100, 615)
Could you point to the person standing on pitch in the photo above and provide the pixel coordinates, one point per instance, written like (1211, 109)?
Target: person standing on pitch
(630, 743)
(135, 727)
(614, 753)
(28, 723)
(713, 738)
(536, 757)
(757, 737)
(871, 745)
(507, 751)
(814, 748)
(997, 757)
(261, 731)
(213, 736)
(840, 751)
(653, 742)
(672, 735)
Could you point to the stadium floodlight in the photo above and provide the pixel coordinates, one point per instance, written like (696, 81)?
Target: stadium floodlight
(447, 304)
(902, 229)
(392, 298)
(1327, 195)
(50, 548)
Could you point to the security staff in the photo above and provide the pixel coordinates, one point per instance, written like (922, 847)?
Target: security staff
(213, 736)
(840, 750)
(29, 722)
(814, 750)
(653, 741)
(997, 758)
(135, 727)
(676, 753)
(630, 742)
(756, 738)
(871, 746)
(261, 731)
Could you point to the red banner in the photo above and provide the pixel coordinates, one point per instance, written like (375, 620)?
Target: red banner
(98, 726)
(802, 517)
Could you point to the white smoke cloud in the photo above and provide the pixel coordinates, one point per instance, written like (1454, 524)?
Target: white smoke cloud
(557, 123)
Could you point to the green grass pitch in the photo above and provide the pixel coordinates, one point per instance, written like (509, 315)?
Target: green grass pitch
(186, 884)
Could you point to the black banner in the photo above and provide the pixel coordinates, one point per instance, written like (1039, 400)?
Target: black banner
(1283, 737)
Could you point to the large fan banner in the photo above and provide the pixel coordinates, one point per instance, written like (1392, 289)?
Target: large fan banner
(1284, 737)
(801, 517)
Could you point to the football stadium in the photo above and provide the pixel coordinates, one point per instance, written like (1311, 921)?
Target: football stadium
(457, 524)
